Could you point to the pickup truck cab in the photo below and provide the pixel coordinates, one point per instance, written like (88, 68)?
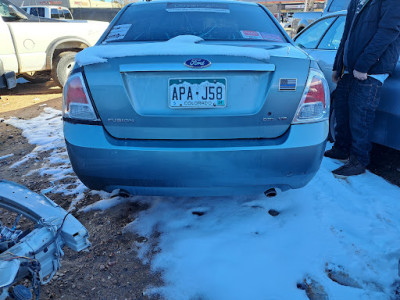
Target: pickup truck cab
(38, 48)
(49, 12)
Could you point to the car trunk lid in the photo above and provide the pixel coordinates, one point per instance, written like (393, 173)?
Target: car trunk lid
(133, 95)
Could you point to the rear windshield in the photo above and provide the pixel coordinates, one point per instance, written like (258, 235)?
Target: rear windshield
(210, 21)
(37, 11)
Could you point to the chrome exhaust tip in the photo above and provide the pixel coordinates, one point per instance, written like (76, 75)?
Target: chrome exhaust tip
(270, 193)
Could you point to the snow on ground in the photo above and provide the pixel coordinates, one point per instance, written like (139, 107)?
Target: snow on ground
(231, 248)
(236, 250)
(45, 131)
(7, 156)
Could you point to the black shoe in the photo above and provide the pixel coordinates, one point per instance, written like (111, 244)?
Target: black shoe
(336, 153)
(351, 168)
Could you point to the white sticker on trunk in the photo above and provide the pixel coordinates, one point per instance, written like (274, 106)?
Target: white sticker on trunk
(118, 32)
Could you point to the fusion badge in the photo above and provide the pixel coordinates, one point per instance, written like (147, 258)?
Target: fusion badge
(197, 63)
(287, 84)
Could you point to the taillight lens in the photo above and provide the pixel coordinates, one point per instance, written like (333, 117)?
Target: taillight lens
(314, 104)
(76, 101)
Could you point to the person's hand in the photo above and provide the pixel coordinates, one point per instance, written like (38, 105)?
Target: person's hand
(359, 75)
(335, 78)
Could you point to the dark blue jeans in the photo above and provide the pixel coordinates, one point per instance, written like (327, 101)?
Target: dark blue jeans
(355, 102)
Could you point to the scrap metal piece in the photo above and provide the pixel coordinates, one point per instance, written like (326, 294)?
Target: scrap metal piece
(40, 251)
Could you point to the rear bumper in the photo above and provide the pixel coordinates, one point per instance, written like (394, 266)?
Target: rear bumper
(195, 168)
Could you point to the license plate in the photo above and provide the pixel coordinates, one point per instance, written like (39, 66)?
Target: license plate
(197, 93)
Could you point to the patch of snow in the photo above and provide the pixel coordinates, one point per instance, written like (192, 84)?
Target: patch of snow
(22, 80)
(45, 131)
(107, 203)
(180, 45)
(6, 156)
(236, 250)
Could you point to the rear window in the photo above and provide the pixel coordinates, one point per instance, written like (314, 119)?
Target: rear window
(37, 11)
(67, 14)
(55, 13)
(210, 21)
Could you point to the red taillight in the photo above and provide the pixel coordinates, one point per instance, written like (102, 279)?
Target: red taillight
(76, 101)
(75, 92)
(316, 92)
(314, 104)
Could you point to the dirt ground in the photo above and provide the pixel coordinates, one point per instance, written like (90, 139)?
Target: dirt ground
(111, 268)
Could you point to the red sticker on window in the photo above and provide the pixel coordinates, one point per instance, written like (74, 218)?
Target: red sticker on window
(249, 34)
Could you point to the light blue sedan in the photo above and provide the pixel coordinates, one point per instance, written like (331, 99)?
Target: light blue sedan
(321, 40)
(195, 98)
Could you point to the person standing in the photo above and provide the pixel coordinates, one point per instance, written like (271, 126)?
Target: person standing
(367, 55)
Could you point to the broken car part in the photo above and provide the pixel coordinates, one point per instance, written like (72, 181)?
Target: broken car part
(36, 253)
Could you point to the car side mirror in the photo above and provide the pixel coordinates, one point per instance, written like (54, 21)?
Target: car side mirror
(15, 13)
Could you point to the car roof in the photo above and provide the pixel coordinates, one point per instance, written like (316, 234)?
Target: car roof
(49, 6)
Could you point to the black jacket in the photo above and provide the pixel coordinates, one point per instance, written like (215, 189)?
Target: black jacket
(374, 43)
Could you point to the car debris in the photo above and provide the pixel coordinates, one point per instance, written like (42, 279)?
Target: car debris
(34, 254)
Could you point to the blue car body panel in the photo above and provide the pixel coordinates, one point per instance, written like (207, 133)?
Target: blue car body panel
(189, 168)
(138, 86)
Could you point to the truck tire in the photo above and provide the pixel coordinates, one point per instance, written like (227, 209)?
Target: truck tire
(37, 77)
(62, 67)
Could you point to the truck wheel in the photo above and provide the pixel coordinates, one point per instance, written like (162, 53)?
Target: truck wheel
(62, 67)
(37, 77)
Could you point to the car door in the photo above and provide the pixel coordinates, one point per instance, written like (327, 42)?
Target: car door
(7, 50)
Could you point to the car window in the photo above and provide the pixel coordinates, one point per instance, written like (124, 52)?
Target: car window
(332, 38)
(54, 13)
(37, 11)
(7, 15)
(61, 14)
(311, 36)
(210, 21)
(67, 14)
(4, 11)
(337, 5)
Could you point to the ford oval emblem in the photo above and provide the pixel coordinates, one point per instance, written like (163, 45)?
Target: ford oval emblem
(197, 63)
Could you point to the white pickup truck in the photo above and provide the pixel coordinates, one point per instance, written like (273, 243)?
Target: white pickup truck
(38, 48)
